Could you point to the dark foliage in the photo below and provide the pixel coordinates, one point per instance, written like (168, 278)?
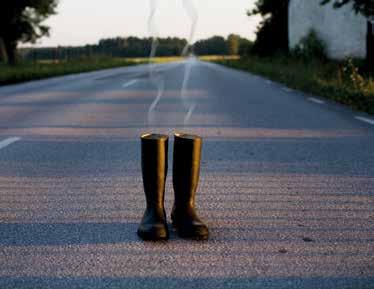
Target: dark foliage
(365, 7)
(310, 48)
(215, 45)
(113, 47)
(272, 33)
(21, 21)
(135, 47)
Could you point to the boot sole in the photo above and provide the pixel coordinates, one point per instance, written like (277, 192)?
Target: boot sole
(190, 236)
(152, 236)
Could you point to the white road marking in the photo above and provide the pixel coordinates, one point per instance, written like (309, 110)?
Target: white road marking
(8, 141)
(316, 100)
(287, 89)
(364, 119)
(189, 114)
(129, 83)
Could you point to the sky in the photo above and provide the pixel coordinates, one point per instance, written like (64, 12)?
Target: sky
(80, 22)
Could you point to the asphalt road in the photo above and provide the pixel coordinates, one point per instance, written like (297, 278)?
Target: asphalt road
(287, 183)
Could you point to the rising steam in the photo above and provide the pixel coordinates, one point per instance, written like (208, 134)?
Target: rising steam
(158, 80)
(191, 11)
(155, 79)
(152, 28)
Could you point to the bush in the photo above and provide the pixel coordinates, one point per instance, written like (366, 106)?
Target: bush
(311, 47)
(350, 76)
(245, 47)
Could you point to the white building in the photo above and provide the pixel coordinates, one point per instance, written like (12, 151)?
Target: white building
(345, 33)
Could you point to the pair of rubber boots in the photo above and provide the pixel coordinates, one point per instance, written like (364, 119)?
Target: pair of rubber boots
(186, 172)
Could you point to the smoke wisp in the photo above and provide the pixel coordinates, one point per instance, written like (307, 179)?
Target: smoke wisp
(191, 11)
(157, 79)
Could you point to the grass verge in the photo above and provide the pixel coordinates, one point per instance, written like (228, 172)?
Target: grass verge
(341, 82)
(34, 71)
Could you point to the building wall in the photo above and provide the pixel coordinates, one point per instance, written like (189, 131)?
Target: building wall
(343, 31)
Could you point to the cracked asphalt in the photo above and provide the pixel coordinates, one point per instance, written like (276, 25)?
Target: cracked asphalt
(287, 184)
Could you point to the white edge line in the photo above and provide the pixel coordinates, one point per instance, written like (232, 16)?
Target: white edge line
(8, 141)
(286, 89)
(364, 119)
(316, 100)
(129, 83)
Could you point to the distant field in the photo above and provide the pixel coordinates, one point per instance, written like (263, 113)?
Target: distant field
(33, 71)
(219, 57)
(45, 69)
(342, 82)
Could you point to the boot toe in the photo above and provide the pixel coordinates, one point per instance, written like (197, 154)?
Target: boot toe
(153, 232)
(193, 230)
(199, 232)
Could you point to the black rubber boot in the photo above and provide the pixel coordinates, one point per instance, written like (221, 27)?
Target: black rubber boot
(186, 173)
(153, 226)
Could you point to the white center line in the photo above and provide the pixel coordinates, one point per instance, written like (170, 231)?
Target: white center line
(8, 141)
(364, 119)
(316, 100)
(129, 83)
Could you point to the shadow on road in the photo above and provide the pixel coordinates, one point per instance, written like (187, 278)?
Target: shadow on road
(158, 282)
(66, 234)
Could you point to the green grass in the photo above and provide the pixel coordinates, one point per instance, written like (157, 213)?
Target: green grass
(341, 82)
(33, 71)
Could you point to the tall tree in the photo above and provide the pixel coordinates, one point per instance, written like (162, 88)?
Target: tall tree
(365, 7)
(233, 42)
(272, 33)
(22, 21)
(3, 57)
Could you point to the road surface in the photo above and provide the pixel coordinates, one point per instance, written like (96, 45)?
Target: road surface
(287, 185)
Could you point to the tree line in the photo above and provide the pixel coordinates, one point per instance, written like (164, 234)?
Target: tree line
(22, 21)
(110, 47)
(139, 47)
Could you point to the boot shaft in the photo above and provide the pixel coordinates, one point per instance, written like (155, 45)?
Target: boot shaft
(154, 162)
(186, 168)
